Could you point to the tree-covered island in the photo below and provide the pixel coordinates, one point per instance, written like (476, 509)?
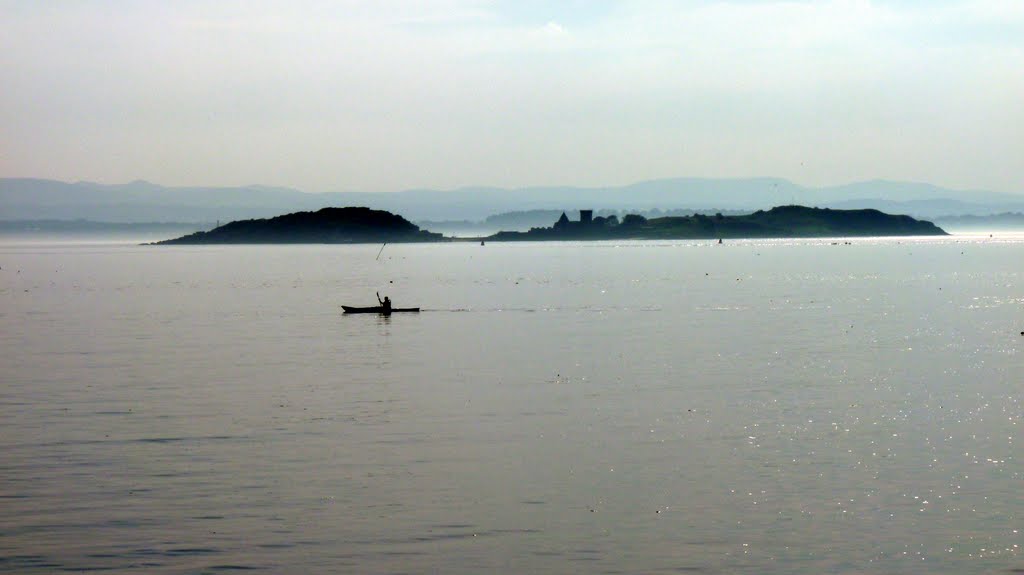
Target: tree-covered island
(363, 225)
(325, 226)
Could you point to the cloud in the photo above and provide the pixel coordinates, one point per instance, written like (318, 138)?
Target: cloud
(553, 29)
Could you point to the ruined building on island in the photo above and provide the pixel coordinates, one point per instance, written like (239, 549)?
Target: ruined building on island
(586, 221)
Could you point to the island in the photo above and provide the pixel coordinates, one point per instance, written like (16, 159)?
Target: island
(364, 225)
(778, 222)
(325, 226)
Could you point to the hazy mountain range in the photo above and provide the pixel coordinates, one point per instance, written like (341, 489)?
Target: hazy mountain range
(140, 201)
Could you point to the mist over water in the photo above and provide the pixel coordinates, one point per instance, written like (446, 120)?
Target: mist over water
(769, 406)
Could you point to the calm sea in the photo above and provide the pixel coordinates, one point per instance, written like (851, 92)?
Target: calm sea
(804, 406)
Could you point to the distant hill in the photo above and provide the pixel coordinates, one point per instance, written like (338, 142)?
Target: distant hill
(38, 199)
(521, 221)
(325, 226)
(32, 199)
(1004, 221)
(90, 228)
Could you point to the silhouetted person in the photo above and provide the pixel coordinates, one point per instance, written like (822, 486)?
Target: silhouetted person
(385, 304)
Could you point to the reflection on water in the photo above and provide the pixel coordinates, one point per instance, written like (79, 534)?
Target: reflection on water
(785, 406)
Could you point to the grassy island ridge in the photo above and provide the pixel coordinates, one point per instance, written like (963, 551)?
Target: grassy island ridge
(363, 225)
(778, 222)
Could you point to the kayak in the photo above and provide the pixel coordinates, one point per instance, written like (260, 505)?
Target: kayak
(377, 309)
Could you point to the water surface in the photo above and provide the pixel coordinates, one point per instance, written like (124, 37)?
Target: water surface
(769, 406)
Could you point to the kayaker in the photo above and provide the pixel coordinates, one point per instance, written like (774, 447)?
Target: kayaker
(385, 304)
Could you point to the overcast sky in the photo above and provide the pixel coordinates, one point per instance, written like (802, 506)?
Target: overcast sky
(382, 96)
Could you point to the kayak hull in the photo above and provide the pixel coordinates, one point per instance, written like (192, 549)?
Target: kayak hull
(378, 309)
